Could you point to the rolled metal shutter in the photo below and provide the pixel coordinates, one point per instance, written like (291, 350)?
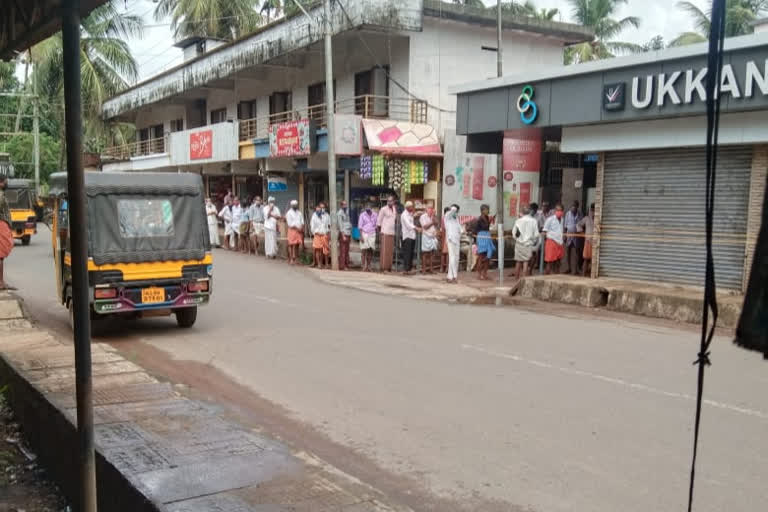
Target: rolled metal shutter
(653, 215)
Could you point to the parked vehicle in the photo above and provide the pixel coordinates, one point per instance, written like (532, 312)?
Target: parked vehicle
(23, 204)
(149, 252)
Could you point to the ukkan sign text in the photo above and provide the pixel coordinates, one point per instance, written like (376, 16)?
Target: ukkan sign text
(201, 145)
(294, 138)
(684, 87)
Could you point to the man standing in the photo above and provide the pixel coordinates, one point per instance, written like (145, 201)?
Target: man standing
(453, 240)
(526, 233)
(257, 223)
(271, 215)
(553, 248)
(409, 236)
(574, 244)
(320, 227)
(237, 218)
(386, 224)
(543, 214)
(295, 221)
(345, 235)
(213, 222)
(428, 239)
(587, 226)
(226, 215)
(6, 231)
(367, 225)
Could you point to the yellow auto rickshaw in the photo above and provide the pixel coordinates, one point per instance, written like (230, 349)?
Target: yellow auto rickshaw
(149, 251)
(22, 202)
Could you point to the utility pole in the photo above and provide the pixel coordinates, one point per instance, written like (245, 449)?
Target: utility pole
(36, 135)
(330, 111)
(499, 161)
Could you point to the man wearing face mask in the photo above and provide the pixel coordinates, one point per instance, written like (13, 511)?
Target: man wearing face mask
(213, 222)
(553, 247)
(366, 223)
(320, 226)
(428, 239)
(271, 216)
(6, 232)
(409, 236)
(574, 243)
(295, 221)
(386, 224)
(453, 240)
(345, 235)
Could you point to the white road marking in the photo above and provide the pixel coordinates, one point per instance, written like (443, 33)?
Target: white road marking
(616, 381)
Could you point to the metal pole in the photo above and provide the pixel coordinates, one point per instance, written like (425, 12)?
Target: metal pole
(70, 26)
(329, 96)
(36, 133)
(499, 162)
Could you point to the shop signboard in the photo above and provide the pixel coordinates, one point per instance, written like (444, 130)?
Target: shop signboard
(291, 139)
(277, 184)
(348, 135)
(201, 145)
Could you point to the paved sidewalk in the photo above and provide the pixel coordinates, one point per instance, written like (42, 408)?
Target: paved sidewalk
(158, 450)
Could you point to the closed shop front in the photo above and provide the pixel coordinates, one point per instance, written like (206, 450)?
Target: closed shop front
(653, 215)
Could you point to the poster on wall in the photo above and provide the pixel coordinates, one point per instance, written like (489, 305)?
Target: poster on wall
(201, 145)
(348, 134)
(470, 181)
(277, 184)
(294, 138)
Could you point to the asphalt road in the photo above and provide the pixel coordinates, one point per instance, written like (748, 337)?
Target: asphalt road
(450, 407)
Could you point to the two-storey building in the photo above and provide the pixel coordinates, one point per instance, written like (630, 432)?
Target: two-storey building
(250, 115)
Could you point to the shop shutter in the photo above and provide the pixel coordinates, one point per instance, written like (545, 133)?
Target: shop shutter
(653, 215)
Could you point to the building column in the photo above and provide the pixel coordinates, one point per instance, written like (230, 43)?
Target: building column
(598, 215)
(757, 186)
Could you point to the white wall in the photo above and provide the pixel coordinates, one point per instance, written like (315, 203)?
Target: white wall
(159, 114)
(449, 53)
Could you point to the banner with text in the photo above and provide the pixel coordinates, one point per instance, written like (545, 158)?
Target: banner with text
(293, 138)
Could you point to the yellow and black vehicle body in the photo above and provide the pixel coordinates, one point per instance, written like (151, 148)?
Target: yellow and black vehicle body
(149, 252)
(22, 201)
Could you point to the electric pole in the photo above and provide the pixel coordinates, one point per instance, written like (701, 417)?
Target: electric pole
(499, 160)
(330, 116)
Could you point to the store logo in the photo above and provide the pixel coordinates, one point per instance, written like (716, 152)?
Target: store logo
(526, 106)
(613, 96)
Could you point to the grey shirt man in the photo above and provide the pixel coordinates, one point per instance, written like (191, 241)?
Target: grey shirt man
(345, 227)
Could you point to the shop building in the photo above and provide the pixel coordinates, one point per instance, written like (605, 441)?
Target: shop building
(263, 96)
(641, 121)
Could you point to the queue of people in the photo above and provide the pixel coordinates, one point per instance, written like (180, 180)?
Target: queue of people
(564, 237)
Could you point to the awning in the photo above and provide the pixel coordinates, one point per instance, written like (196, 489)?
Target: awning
(402, 138)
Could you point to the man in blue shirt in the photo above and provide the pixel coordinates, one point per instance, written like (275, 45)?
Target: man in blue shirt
(574, 241)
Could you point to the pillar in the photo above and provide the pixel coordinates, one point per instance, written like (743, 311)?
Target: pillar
(757, 185)
(598, 215)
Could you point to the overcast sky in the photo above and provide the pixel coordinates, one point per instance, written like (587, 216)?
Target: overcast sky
(155, 51)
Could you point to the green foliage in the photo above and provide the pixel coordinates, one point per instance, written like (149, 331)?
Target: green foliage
(21, 150)
(223, 19)
(8, 81)
(654, 44)
(739, 15)
(598, 15)
(528, 9)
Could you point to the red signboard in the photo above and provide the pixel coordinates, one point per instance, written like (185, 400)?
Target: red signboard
(522, 154)
(293, 138)
(201, 145)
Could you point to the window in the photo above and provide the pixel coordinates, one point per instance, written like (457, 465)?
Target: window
(145, 218)
(280, 105)
(317, 99)
(18, 199)
(177, 125)
(372, 92)
(246, 110)
(157, 131)
(144, 134)
(218, 116)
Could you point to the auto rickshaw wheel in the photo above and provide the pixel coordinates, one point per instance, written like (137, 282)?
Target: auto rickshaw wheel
(185, 318)
(97, 321)
(26, 239)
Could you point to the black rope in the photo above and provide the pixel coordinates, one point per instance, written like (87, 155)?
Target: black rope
(714, 66)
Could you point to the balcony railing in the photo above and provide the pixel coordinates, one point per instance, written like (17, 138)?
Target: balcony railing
(134, 149)
(368, 106)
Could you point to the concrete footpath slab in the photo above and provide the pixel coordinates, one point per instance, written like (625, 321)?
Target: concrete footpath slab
(157, 450)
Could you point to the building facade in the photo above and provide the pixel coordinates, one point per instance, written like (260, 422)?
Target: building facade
(641, 120)
(251, 115)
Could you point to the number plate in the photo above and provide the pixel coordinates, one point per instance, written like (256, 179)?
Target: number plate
(152, 295)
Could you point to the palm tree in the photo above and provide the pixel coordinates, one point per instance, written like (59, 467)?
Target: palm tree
(477, 4)
(106, 66)
(529, 10)
(739, 15)
(598, 16)
(223, 19)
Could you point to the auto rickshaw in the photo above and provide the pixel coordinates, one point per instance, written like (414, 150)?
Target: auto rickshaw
(22, 202)
(149, 251)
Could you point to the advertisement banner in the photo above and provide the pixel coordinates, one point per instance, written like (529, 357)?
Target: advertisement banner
(348, 135)
(469, 180)
(522, 154)
(294, 138)
(277, 184)
(201, 145)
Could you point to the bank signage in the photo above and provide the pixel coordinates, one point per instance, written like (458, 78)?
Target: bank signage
(613, 96)
(213, 143)
(294, 138)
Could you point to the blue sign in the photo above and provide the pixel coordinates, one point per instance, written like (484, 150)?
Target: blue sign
(528, 109)
(277, 184)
